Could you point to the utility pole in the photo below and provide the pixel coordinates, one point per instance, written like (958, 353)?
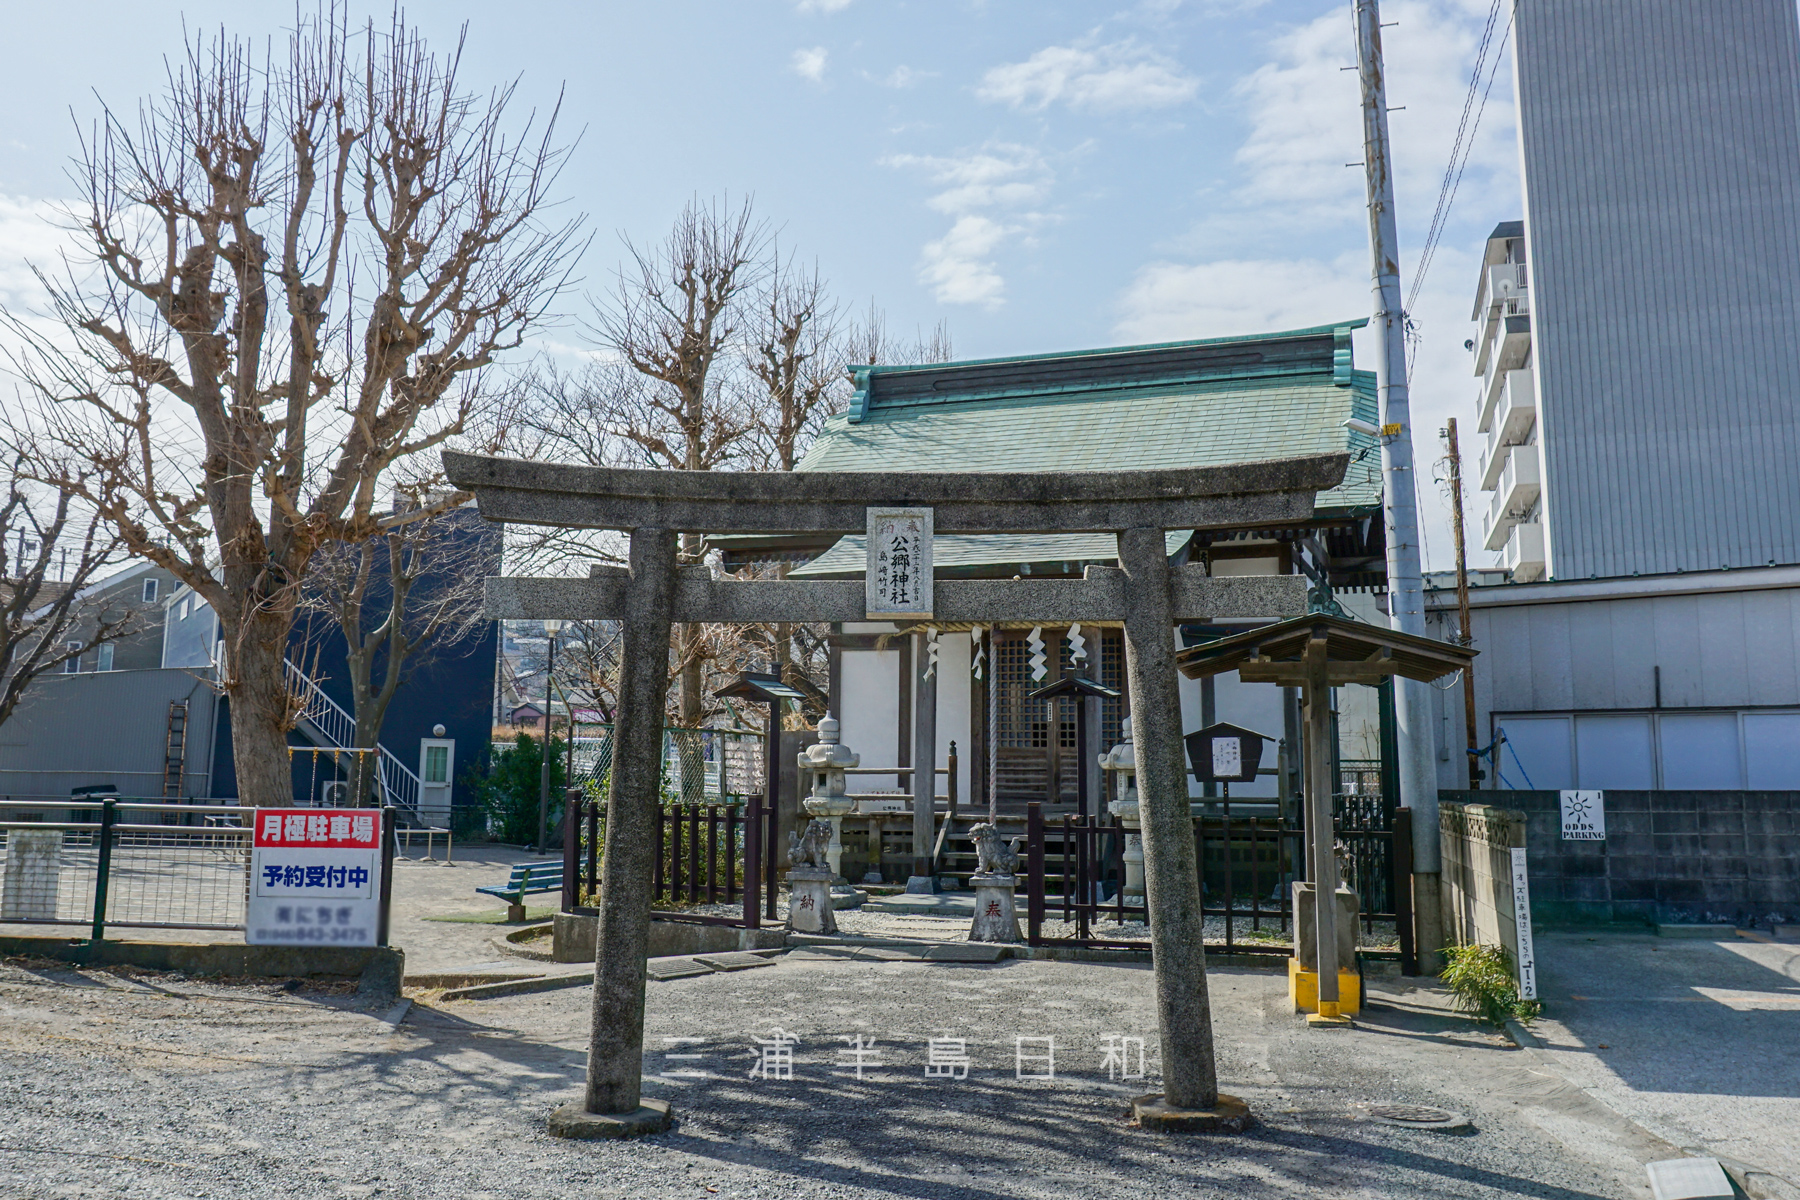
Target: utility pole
(1465, 635)
(1406, 608)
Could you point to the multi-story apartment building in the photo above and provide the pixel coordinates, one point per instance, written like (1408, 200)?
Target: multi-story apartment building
(1506, 409)
(1639, 433)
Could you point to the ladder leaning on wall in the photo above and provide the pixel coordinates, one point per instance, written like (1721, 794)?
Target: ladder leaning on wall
(175, 752)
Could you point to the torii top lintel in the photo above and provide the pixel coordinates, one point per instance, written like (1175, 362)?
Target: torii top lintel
(1239, 495)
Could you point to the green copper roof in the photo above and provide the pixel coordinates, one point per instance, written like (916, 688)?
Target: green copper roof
(1179, 404)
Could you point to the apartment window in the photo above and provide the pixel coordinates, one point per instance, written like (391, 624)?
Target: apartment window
(437, 764)
(149, 591)
(72, 664)
(104, 656)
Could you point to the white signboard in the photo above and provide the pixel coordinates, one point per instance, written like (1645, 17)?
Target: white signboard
(1227, 756)
(1522, 914)
(1584, 816)
(315, 876)
(897, 581)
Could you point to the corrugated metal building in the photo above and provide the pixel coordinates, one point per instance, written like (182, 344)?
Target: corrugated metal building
(1660, 141)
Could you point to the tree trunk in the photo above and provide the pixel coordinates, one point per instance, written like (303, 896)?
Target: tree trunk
(259, 712)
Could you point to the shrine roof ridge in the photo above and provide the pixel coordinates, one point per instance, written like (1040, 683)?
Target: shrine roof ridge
(1318, 349)
(1235, 494)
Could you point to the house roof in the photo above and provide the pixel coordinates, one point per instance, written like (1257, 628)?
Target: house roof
(1176, 404)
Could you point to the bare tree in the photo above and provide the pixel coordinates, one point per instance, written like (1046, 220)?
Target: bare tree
(794, 352)
(399, 601)
(869, 343)
(302, 269)
(39, 614)
(673, 319)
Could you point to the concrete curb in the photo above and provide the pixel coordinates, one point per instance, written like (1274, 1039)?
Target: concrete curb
(520, 987)
(381, 968)
(1522, 1037)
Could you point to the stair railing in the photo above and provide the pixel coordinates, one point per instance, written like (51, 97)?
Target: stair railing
(399, 783)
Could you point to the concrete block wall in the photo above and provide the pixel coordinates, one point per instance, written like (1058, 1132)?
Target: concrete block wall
(1709, 856)
(1477, 843)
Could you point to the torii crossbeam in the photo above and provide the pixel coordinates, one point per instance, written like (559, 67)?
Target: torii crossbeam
(1142, 592)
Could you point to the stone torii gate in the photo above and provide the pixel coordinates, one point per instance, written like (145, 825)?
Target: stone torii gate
(1143, 592)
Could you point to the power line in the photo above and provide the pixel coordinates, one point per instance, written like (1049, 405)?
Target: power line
(1464, 144)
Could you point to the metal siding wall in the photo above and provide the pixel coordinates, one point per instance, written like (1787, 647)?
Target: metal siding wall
(103, 727)
(1725, 650)
(1665, 304)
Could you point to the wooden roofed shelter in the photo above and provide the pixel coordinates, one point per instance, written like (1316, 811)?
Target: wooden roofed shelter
(1317, 652)
(1144, 592)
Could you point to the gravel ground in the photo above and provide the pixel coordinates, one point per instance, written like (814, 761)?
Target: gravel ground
(123, 1085)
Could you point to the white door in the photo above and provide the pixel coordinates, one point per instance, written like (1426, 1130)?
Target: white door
(437, 767)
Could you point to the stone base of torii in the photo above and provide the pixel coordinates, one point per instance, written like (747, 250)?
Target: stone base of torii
(1143, 592)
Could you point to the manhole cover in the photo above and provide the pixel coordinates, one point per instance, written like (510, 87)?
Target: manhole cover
(1416, 1116)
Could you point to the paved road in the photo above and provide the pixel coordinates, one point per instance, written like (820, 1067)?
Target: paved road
(1696, 1040)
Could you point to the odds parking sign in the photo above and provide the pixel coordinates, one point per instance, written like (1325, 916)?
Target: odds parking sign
(315, 876)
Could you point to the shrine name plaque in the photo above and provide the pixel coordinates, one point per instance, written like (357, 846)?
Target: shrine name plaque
(898, 573)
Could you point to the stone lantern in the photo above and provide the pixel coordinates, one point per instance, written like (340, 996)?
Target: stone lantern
(825, 762)
(1122, 759)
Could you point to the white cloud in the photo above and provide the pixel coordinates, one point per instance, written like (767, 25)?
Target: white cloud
(809, 63)
(1112, 78)
(997, 175)
(826, 7)
(993, 194)
(1306, 116)
(958, 267)
(1175, 301)
(901, 76)
(1295, 217)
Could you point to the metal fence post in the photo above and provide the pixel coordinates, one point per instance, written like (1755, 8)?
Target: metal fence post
(103, 868)
(571, 877)
(1401, 859)
(388, 815)
(753, 834)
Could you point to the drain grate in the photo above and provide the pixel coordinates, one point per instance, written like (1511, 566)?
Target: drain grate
(1416, 1116)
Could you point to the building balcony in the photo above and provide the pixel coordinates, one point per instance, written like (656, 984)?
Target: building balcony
(1504, 297)
(1523, 554)
(1516, 489)
(1507, 349)
(1509, 408)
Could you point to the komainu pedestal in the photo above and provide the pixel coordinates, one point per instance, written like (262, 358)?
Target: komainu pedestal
(809, 900)
(996, 917)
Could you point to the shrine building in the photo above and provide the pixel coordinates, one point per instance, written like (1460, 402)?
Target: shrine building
(1178, 404)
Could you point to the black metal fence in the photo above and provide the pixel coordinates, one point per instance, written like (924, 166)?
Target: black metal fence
(132, 864)
(706, 854)
(1076, 872)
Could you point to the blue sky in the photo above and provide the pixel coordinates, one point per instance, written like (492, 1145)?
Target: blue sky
(1039, 175)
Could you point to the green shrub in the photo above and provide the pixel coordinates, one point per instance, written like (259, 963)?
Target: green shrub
(1481, 983)
(509, 791)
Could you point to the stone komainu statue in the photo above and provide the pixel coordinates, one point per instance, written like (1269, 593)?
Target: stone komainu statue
(809, 851)
(994, 857)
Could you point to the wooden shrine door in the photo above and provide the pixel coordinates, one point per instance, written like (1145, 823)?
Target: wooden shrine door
(1036, 755)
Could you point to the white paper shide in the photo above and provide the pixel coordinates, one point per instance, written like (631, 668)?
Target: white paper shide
(898, 573)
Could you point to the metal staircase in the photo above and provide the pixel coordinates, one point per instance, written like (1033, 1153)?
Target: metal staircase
(324, 721)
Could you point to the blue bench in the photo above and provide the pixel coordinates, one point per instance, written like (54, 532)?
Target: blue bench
(526, 879)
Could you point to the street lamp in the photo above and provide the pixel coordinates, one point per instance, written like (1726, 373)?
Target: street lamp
(551, 629)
